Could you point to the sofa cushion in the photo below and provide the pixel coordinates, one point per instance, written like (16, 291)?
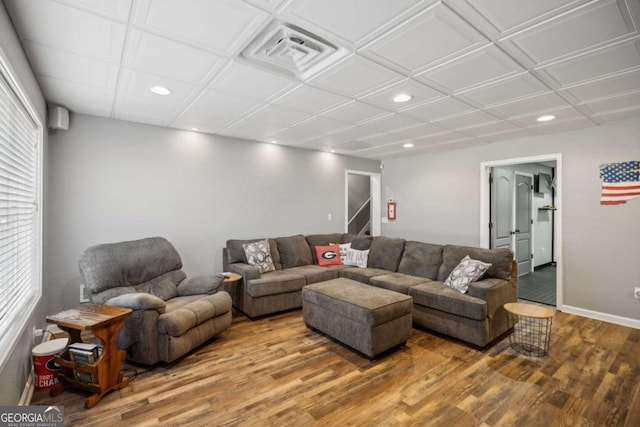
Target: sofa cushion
(440, 297)
(259, 254)
(467, 271)
(185, 313)
(322, 240)
(421, 259)
(397, 282)
(276, 282)
(314, 273)
(385, 253)
(361, 243)
(500, 260)
(362, 275)
(294, 251)
(327, 255)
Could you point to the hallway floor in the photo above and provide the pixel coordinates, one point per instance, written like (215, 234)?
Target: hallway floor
(539, 286)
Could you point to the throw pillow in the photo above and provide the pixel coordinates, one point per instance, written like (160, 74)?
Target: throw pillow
(467, 271)
(343, 251)
(356, 257)
(259, 254)
(328, 255)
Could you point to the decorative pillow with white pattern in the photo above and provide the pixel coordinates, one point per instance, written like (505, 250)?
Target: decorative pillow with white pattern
(356, 257)
(467, 271)
(259, 254)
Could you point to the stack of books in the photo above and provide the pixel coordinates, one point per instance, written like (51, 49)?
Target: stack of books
(84, 354)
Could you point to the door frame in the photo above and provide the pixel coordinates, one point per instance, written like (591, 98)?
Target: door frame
(515, 213)
(485, 214)
(375, 189)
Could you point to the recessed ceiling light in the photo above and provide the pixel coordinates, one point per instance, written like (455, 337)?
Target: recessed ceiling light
(195, 129)
(402, 97)
(407, 145)
(273, 141)
(546, 118)
(160, 90)
(333, 151)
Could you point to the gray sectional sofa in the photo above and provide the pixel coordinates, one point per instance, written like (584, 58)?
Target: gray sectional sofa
(414, 268)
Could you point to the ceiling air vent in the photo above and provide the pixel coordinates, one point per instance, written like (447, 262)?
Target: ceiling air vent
(285, 47)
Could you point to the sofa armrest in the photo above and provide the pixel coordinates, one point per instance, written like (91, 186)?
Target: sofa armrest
(496, 292)
(138, 301)
(200, 285)
(248, 272)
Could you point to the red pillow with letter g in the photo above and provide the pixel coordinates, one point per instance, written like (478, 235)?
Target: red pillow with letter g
(328, 255)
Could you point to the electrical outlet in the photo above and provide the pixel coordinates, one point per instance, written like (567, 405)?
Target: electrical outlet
(636, 292)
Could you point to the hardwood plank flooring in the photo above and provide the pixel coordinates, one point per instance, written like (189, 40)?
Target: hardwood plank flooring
(275, 371)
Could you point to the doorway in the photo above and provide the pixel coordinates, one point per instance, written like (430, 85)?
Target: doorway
(362, 203)
(511, 204)
(520, 208)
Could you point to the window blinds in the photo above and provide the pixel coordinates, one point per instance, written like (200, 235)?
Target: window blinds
(19, 217)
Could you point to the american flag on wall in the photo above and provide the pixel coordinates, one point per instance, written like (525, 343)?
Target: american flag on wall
(620, 182)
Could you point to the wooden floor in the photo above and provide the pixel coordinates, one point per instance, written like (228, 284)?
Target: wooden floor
(275, 371)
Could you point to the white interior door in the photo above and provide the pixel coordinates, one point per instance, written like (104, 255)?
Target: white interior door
(501, 208)
(523, 232)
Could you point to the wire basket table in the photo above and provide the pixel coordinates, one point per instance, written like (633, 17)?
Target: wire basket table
(531, 330)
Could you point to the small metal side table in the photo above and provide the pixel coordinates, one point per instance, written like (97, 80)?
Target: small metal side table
(532, 328)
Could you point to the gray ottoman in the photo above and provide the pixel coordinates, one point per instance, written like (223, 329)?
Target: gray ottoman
(368, 319)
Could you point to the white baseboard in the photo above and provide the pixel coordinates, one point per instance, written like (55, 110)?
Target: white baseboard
(605, 317)
(27, 393)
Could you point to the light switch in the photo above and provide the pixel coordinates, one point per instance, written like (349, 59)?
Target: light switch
(329, 217)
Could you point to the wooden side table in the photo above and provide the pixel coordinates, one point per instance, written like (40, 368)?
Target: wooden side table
(230, 285)
(532, 328)
(105, 322)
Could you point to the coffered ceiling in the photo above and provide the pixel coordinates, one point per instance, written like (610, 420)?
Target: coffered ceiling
(477, 71)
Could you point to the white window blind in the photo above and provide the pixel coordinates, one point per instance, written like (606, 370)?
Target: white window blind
(20, 220)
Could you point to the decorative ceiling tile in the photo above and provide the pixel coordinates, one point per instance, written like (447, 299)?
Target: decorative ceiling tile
(615, 103)
(596, 64)
(250, 82)
(355, 112)
(514, 14)
(561, 114)
(310, 100)
(592, 26)
(69, 29)
(220, 26)
(628, 82)
(118, 10)
(465, 120)
(157, 55)
(353, 21)
(278, 115)
(437, 109)
(480, 67)
(392, 122)
(355, 76)
(561, 126)
(419, 43)
(512, 88)
(92, 100)
(534, 104)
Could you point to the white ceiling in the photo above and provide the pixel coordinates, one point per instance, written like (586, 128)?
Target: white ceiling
(479, 71)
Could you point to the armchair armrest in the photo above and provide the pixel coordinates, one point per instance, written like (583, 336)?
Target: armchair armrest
(138, 301)
(496, 292)
(200, 285)
(248, 272)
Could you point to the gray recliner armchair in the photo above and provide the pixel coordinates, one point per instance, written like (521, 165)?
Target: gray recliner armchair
(172, 314)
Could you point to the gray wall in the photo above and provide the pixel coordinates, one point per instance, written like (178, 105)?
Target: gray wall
(112, 180)
(14, 373)
(439, 201)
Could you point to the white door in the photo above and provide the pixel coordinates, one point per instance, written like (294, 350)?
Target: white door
(523, 223)
(501, 208)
